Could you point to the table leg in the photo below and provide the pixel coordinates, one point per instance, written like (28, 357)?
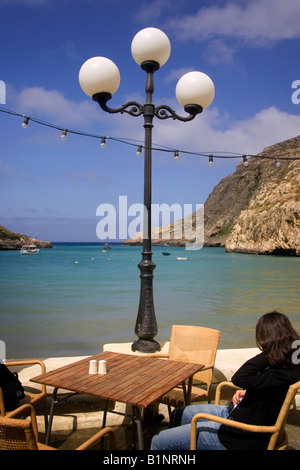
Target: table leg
(45, 416)
(137, 416)
(104, 414)
(53, 401)
(186, 401)
(133, 443)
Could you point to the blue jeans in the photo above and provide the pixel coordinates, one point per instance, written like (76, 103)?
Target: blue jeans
(179, 438)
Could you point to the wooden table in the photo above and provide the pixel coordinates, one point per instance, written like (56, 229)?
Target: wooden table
(132, 379)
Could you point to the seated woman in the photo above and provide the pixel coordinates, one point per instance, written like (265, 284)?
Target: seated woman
(264, 379)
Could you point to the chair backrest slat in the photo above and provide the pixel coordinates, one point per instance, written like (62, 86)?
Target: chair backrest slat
(195, 344)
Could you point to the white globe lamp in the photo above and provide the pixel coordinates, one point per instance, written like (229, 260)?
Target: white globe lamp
(99, 75)
(151, 44)
(195, 88)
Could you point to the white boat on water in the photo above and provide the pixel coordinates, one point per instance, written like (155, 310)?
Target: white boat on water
(29, 250)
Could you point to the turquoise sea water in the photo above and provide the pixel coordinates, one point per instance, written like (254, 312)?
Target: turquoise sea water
(72, 299)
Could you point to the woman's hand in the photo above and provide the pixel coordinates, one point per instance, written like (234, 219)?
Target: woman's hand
(238, 396)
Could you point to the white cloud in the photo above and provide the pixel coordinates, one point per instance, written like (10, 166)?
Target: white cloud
(147, 13)
(5, 171)
(54, 107)
(91, 176)
(218, 52)
(176, 74)
(256, 23)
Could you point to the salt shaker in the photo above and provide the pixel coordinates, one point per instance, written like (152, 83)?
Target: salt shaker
(93, 367)
(102, 367)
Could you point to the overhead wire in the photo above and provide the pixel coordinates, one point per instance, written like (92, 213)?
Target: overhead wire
(137, 143)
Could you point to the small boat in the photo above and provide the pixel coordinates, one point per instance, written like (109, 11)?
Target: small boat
(29, 250)
(181, 258)
(106, 247)
(165, 253)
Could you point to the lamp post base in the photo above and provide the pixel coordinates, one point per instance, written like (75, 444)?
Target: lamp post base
(145, 346)
(146, 327)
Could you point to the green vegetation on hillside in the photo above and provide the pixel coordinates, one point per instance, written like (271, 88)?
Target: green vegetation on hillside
(6, 234)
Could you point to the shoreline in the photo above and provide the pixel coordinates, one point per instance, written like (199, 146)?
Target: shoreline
(15, 245)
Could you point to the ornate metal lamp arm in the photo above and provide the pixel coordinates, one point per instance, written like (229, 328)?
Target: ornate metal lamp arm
(136, 109)
(162, 112)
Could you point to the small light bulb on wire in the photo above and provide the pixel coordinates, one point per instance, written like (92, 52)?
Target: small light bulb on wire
(25, 122)
(176, 155)
(139, 151)
(246, 163)
(277, 163)
(64, 134)
(210, 160)
(103, 142)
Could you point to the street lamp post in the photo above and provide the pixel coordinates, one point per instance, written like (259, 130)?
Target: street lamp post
(99, 78)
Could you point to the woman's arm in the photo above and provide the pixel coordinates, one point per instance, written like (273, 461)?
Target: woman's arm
(257, 373)
(238, 396)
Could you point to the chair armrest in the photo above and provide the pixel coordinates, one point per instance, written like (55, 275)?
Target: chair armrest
(160, 356)
(2, 404)
(28, 363)
(227, 422)
(208, 366)
(219, 390)
(97, 437)
(191, 379)
(27, 410)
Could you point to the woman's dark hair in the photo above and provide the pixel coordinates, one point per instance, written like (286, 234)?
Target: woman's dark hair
(275, 336)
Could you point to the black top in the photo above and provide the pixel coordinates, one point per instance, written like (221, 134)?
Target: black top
(266, 390)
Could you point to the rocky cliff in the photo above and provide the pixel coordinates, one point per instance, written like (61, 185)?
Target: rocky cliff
(270, 224)
(14, 241)
(256, 209)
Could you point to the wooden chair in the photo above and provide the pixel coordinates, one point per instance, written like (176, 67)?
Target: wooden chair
(32, 398)
(192, 344)
(278, 439)
(22, 434)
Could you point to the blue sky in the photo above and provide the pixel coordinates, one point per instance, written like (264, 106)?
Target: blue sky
(51, 188)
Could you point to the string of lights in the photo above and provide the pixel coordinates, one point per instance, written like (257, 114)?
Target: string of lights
(137, 144)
